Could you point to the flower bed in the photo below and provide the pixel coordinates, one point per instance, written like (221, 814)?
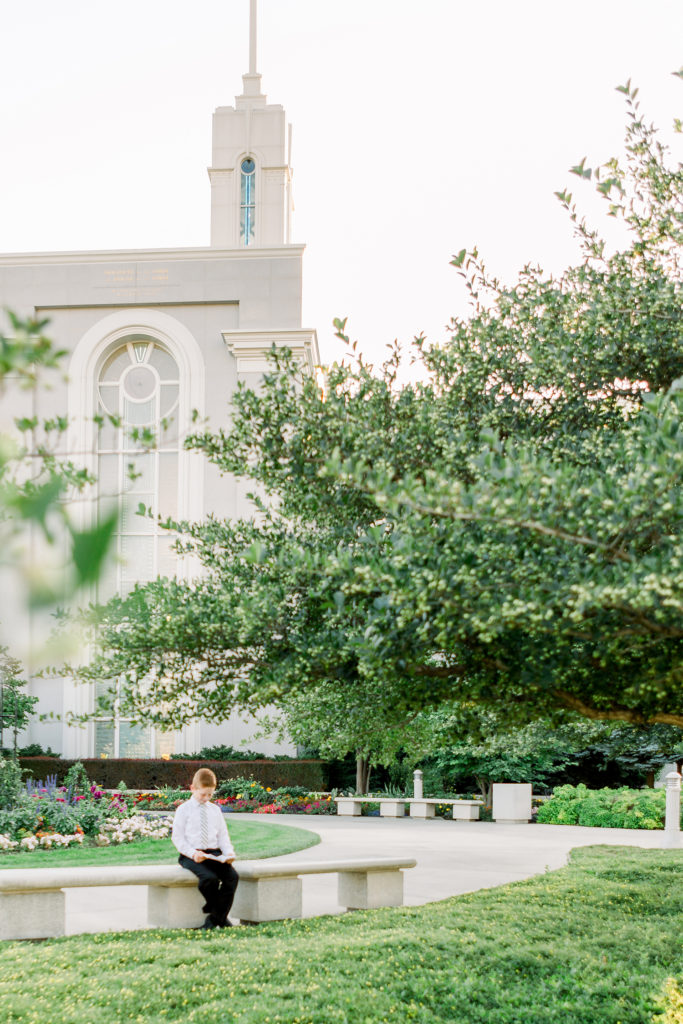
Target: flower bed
(43, 815)
(127, 830)
(47, 816)
(240, 795)
(113, 831)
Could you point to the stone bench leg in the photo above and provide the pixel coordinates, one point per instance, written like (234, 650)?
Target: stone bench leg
(32, 915)
(421, 810)
(177, 906)
(466, 813)
(349, 808)
(392, 808)
(367, 890)
(267, 899)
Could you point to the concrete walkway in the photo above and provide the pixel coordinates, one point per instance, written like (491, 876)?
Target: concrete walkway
(452, 857)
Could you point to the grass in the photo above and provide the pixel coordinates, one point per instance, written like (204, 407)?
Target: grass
(592, 943)
(252, 841)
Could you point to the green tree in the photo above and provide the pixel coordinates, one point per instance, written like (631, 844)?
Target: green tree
(16, 707)
(361, 720)
(543, 754)
(505, 533)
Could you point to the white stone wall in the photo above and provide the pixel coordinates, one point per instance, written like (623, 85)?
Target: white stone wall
(199, 301)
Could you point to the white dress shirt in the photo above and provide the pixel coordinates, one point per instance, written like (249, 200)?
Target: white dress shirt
(186, 835)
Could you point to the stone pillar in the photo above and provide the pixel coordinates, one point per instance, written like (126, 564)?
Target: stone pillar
(37, 914)
(368, 890)
(174, 907)
(267, 899)
(417, 784)
(672, 826)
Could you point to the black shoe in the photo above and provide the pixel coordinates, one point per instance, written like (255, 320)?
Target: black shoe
(227, 923)
(208, 925)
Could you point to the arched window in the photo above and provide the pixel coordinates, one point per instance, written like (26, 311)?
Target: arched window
(247, 201)
(138, 448)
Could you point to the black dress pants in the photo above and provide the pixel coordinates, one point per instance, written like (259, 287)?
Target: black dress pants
(217, 884)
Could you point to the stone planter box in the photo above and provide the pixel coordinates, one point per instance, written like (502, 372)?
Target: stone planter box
(512, 803)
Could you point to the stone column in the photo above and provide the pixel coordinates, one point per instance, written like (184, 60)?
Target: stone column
(417, 785)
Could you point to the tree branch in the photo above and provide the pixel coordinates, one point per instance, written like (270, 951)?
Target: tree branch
(616, 714)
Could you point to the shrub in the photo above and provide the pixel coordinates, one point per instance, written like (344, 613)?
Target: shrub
(10, 782)
(245, 789)
(76, 779)
(605, 808)
(228, 753)
(36, 750)
(149, 773)
(293, 791)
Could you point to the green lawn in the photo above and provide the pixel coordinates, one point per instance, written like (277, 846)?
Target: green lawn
(252, 841)
(593, 943)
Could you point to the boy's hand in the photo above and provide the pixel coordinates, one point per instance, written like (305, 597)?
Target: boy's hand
(198, 856)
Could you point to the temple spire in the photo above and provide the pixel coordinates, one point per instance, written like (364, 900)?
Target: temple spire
(252, 79)
(253, 18)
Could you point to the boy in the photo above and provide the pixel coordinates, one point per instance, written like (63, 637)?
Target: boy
(199, 829)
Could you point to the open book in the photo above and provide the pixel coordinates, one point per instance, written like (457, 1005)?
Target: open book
(212, 856)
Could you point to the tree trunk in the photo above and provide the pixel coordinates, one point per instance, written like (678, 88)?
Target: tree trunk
(486, 790)
(362, 775)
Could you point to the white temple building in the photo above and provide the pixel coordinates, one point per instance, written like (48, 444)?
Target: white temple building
(152, 335)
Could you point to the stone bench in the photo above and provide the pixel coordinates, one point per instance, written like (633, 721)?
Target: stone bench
(32, 900)
(462, 810)
(388, 807)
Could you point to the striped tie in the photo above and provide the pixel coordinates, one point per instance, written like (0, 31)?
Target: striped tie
(203, 826)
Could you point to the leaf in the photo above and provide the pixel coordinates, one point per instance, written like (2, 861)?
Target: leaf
(36, 502)
(26, 423)
(90, 547)
(581, 170)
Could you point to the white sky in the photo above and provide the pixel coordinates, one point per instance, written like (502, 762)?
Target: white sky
(420, 127)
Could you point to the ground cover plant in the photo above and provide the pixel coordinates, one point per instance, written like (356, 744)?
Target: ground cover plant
(593, 943)
(252, 841)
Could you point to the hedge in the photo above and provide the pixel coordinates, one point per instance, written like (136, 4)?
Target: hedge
(148, 773)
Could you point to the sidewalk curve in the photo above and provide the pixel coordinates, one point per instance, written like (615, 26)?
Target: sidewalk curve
(452, 857)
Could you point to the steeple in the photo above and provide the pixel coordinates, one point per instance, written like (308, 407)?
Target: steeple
(252, 80)
(251, 203)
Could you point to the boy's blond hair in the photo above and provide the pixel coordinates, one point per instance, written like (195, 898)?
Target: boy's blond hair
(204, 777)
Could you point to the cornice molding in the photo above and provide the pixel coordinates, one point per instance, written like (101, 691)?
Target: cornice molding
(27, 259)
(250, 348)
